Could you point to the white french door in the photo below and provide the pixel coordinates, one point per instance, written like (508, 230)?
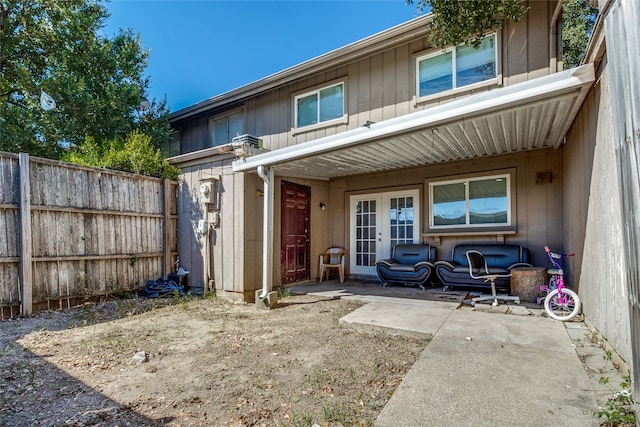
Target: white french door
(378, 222)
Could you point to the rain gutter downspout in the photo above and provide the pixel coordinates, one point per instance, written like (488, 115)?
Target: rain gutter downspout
(267, 230)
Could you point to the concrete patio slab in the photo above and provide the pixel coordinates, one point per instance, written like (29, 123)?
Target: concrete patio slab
(485, 369)
(368, 292)
(509, 365)
(399, 318)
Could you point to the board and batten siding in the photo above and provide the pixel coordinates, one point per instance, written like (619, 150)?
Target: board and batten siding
(92, 232)
(382, 86)
(593, 217)
(234, 246)
(379, 86)
(195, 134)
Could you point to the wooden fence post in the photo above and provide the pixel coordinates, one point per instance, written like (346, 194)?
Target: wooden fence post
(166, 223)
(26, 264)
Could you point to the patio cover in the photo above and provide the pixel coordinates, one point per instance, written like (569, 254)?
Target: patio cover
(526, 116)
(530, 115)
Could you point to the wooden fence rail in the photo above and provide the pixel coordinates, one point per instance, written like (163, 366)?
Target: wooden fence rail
(68, 233)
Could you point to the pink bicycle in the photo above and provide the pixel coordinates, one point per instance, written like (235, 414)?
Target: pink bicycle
(561, 303)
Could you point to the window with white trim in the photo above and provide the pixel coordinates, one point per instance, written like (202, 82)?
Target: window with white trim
(225, 128)
(322, 105)
(471, 203)
(458, 67)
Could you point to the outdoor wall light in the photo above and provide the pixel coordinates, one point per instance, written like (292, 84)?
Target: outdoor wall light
(322, 205)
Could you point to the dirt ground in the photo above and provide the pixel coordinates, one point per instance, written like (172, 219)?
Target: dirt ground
(206, 362)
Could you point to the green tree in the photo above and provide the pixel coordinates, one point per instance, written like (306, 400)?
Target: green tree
(578, 18)
(455, 22)
(57, 48)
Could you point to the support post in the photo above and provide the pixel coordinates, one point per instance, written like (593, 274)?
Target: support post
(266, 299)
(166, 222)
(26, 264)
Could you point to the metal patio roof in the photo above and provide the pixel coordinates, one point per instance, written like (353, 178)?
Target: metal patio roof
(530, 115)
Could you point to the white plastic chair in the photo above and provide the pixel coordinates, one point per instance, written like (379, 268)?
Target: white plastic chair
(333, 258)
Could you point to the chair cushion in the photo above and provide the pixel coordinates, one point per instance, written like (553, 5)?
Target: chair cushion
(496, 255)
(402, 267)
(412, 253)
(410, 264)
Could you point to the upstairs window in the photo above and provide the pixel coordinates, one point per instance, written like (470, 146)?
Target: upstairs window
(318, 106)
(474, 202)
(225, 128)
(459, 67)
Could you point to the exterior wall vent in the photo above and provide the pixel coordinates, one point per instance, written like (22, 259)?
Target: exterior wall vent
(247, 139)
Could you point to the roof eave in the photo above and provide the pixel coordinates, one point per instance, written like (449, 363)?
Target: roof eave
(375, 43)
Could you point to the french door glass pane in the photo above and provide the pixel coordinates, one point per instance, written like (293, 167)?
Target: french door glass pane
(307, 110)
(331, 103)
(365, 233)
(488, 201)
(449, 204)
(476, 65)
(401, 220)
(435, 74)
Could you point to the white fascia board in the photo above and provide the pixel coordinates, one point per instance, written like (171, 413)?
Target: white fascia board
(203, 155)
(474, 105)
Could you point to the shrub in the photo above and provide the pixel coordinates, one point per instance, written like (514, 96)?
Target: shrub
(136, 153)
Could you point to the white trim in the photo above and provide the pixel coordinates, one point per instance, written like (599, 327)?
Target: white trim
(383, 223)
(316, 91)
(220, 152)
(339, 121)
(467, 224)
(455, 88)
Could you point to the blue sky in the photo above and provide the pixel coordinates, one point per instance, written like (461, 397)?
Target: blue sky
(200, 49)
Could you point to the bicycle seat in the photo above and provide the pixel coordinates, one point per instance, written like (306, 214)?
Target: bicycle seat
(555, 271)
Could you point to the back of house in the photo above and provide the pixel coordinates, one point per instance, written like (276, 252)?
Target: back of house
(385, 141)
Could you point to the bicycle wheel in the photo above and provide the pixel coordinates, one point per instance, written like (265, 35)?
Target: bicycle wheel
(558, 309)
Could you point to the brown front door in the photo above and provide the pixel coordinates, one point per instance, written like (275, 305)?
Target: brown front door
(295, 232)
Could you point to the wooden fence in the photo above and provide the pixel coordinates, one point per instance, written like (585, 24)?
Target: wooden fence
(70, 233)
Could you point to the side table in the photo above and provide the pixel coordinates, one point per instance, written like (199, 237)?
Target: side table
(526, 281)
